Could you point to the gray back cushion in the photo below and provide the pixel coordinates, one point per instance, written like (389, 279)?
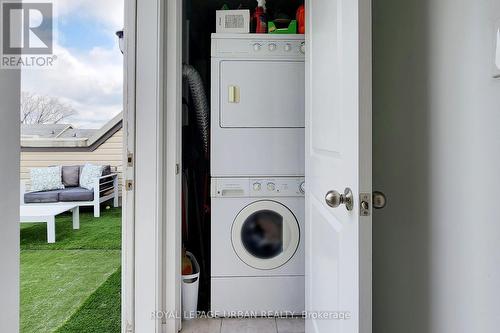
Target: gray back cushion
(71, 175)
(106, 170)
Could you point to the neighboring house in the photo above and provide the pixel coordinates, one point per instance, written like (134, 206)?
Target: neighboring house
(63, 144)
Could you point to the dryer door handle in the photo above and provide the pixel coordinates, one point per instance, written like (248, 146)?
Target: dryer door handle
(233, 94)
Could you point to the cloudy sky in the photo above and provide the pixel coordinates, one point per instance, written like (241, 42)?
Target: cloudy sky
(89, 72)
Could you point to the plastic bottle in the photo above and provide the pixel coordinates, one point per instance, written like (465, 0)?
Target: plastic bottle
(259, 18)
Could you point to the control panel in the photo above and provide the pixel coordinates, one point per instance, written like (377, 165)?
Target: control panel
(277, 48)
(258, 187)
(258, 46)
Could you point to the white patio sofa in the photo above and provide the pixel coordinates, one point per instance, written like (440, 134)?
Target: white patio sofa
(106, 188)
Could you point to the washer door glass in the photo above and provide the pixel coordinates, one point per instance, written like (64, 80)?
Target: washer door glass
(265, 234)
(262, 234)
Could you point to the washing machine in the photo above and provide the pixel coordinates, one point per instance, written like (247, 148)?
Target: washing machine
(257, 105)
(257, 245)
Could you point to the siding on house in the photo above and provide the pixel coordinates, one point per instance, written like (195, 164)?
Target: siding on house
(110, 152)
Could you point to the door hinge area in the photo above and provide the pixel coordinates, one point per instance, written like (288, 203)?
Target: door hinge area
(129, 328)
(130, 159)
(129, 185)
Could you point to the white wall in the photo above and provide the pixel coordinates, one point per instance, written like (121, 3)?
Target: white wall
(437, 157)
(10, 87)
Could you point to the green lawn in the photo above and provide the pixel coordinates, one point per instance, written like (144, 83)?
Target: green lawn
(94, 233)
(72, 285)
(100, 312)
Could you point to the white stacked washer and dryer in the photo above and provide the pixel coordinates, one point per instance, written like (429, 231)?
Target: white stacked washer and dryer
(257, 173)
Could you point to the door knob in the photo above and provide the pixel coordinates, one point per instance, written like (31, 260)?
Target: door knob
(379, 200)
(335, 199)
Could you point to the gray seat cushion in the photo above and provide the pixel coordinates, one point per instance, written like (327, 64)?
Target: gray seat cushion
(71, 175)
(76, 194)
(42, 196)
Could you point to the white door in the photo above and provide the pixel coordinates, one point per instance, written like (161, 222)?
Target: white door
(338, 156)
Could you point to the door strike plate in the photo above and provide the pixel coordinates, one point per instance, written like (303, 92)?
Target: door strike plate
(365, 200)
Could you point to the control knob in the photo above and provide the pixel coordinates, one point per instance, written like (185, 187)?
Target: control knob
(302, 187)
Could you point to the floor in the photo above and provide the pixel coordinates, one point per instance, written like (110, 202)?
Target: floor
(254, 325)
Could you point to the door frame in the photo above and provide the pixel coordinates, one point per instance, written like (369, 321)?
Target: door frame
(153, 134)
(127, 288)
(10, 89)
(173, 162)
(145, 133)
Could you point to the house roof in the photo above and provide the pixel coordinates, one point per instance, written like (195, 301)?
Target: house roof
(44, 130)
(67, 136)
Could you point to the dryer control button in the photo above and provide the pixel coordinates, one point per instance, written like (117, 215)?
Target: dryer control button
(272, 47)
(256, 186)
(302, 48)
(271, 186)
(257, 47)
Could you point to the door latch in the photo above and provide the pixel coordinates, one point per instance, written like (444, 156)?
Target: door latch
(377, 200)
(365, 201)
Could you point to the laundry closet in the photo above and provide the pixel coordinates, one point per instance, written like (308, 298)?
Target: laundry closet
(243, 145)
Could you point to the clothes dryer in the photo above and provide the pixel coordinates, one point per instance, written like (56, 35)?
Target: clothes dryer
(257, 105)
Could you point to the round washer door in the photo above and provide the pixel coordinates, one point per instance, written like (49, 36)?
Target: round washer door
(265, 234)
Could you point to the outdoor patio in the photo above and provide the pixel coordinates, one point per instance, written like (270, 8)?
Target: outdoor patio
(72, 285)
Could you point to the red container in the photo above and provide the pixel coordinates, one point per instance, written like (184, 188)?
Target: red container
(301, 19)
(259, 21)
